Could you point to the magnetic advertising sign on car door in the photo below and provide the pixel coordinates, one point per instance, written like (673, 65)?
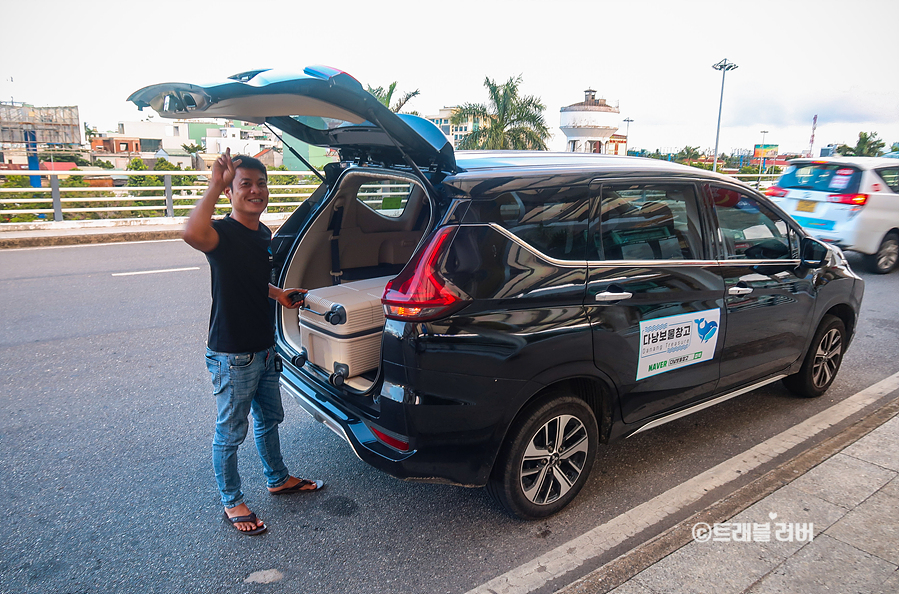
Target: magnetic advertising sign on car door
(670, 343)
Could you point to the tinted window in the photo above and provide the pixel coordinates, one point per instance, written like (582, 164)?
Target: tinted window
(890, 178)
(649, 222)
(823, 177)
(750, 230)
(552, 220)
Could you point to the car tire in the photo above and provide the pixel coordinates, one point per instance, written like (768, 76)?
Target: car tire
(887, 255)
(547, 457)
(822, 362)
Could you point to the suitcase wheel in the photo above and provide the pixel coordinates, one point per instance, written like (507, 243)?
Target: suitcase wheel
(336, 315)
(341, 372)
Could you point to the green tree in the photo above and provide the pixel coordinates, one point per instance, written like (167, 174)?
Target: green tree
(895, 148)
(89, 132)
(142, 181)
(508, 121)
(22, 200)
(192, 148)
(688, 154)
(385, 96)
(868, 145)
(177, 180)
(104, 164)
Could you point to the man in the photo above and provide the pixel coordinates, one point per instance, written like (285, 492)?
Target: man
(240, 354)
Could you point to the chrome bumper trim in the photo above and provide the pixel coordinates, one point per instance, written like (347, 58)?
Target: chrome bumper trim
(318, 414)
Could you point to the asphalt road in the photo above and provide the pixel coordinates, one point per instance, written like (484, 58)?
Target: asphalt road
(106, 421)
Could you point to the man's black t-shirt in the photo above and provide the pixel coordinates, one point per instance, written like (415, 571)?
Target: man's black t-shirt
(241, 318)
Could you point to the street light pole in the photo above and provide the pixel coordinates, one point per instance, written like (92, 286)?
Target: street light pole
(627, 135)
(723, 66)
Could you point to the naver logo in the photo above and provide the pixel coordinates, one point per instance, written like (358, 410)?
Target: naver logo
(657, 366)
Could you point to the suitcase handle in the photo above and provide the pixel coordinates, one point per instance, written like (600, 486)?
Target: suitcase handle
(335, 316)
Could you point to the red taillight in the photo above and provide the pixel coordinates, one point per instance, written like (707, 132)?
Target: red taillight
(420, 293)
(393, 442)
(776, 192)
(854, 199)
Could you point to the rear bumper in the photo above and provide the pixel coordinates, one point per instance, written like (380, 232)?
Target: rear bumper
(855, 235)
(451, 441)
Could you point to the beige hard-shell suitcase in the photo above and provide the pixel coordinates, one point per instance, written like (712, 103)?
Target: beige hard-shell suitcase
(340, 327)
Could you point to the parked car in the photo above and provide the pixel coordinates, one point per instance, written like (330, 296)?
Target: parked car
(534, 305)
(851, 202)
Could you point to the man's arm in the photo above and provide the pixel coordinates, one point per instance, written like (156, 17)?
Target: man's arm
(199, 233)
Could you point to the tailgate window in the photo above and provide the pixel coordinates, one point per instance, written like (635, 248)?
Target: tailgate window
(821, 177)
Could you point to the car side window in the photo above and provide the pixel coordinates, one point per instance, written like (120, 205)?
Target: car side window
(552, 220)
(750, 230)
(649, 222)
(388, 197)
(890, 177)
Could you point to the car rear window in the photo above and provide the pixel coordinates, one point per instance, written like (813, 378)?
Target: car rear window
(822, 177)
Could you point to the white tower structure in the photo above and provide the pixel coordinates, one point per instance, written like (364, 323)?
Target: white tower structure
(590, 125)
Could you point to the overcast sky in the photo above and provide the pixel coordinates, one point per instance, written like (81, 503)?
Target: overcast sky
(654, 58)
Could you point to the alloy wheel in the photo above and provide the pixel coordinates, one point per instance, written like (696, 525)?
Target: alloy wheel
(827, 357)
(554, 459)
(888, 254)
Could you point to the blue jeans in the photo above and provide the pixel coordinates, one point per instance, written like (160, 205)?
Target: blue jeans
(244, 383)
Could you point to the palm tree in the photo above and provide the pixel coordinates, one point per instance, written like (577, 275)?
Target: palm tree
(868, 145)
(508, 121)
(385, 96)
(688, 154)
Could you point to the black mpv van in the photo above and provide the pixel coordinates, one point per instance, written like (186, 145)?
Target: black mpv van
(537, 305)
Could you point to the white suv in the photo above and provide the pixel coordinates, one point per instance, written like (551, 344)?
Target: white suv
(852, 202)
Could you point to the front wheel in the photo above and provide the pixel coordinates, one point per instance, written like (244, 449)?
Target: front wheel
(822, 361)
(546, 459)
(887, 255)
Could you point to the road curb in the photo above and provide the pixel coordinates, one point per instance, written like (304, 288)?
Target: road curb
(618, 571)
(97, 235)
(87, 238)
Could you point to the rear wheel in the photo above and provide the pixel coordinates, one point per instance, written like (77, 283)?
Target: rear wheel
(546, 459)
(887, 255)
(822, 361)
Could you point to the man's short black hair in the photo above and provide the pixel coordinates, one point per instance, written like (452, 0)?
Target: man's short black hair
(247, 162)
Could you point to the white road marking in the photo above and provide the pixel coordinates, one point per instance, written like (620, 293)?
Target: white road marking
(571, 555)
(155, 271)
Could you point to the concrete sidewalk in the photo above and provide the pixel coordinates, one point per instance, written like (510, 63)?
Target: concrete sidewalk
(832, 528)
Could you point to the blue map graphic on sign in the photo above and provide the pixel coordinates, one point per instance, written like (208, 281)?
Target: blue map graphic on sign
(706, 329)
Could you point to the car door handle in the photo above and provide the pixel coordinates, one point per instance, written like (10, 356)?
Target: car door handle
(739, 291)
(609, 296)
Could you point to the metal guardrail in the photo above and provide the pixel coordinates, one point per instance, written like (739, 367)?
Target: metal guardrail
(759, 182)
(166, 200)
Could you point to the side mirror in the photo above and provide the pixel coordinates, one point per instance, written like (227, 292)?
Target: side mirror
(812, 253)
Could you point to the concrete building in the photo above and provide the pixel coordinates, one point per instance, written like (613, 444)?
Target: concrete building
(591, 125)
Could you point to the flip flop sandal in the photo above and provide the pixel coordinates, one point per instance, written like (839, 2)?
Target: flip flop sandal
(250, 518)
(299, 487)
